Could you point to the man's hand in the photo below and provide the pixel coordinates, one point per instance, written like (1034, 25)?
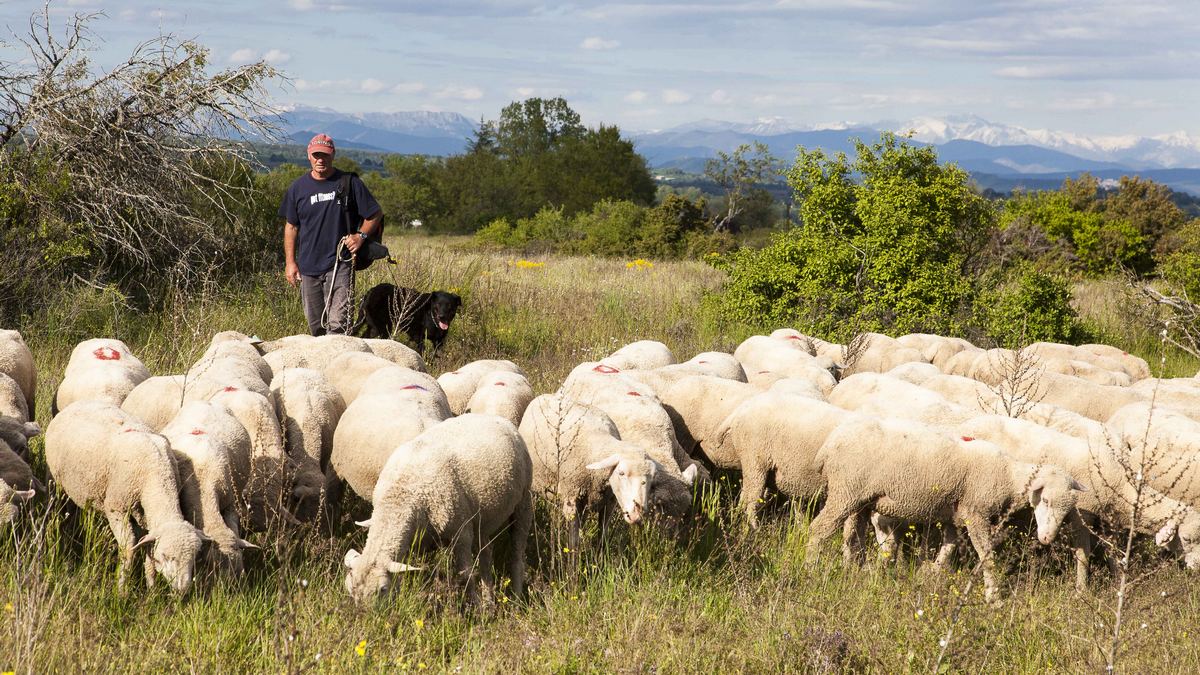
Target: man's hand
(291, 272)
(353, 242)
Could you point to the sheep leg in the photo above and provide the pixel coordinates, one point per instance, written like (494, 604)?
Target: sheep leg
(754, 483)
(122, 531)
(979, 531)
(825, 525)
(523, 523)
(1082, 541)
(854, 529)
(885, 536)
(486, 578)
(464, 564)
(948, 547)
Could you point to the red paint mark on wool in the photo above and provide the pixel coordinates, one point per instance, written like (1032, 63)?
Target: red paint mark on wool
(128, 431)
(793, 337)
(702, 362)
(414, 386)
(230, 389)
(968, 438)
(107, 354)
(632, 393)
(499, 384)
(607, 370)
(198, 432)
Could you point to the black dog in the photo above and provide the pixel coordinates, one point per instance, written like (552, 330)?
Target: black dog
(387, 309)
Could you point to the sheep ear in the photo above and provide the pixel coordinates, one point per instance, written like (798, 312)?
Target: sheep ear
(351, 557)
(24, 495)
(689, 475)
(1035, 491)
(1164, 536)
(363, 523)
(31, 429)
(398, 567)
(243, 544)
(1076, 485)
(38, 485)
(148, 539)
(605, 464)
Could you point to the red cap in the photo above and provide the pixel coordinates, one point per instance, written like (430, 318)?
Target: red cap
(321, 143)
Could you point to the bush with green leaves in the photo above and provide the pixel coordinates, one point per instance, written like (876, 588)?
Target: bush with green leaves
(1081, 236)
(1027, 305)
(889, 252)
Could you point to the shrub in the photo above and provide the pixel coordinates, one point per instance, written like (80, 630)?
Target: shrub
(1026, 306)
(611, 228)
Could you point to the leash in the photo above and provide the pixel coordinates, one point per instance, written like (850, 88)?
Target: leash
(337, 260)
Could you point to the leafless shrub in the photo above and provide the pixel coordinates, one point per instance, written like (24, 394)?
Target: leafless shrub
(1015, 382)
(853, 350)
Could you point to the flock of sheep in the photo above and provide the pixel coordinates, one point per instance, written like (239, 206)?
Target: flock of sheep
(920, 429)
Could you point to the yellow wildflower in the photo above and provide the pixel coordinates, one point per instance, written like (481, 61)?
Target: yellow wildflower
(419, 624)
(361, 649)
(421, 666)
(8, 607)
(640, 263)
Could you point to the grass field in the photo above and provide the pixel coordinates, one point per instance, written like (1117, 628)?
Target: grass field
(721, 598)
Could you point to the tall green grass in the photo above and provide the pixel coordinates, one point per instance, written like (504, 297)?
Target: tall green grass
(718, 597)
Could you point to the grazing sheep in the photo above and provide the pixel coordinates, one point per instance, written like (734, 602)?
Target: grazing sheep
(914, 473)
(776, 435)
(1164, 445)
(813, 345)
(883, 396)
(699, 403)
(210, 375)
(462, 482)
(1110, 494)
(1135, 366)
(935, 349)
(393, 406)
(309, 409)
(580, 462)
(269, 487)
(16, 434)
(786, 357)
(1181, 393)
(640, 355)
(16, 361)
(206, 441)
(880, 354)
(716, 364)
(11, 500)
(460, 384)
(156, 400)
(396, 352)
(102, 457)
(347, 372)
(17, 484)
(101, 369)
(12, 400)
(503, 394)
(232, 344)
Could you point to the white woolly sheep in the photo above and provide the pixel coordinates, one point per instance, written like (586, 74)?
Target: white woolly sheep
(579, 461)
(309, 410)
(156, 400)
(786, 357)
(206, 441)
(1110, 494)
(104, 458)
(881, 395)
(233, 344)
(396, 352)
(16, 361)
(776, 434)
(1135, 366)
(503, 394)
(879, 354)
(460, 384)
(911, 472)
(813, 345)
(393, 406)
(699, 403)
(462, 481)
(101, 369)
(270, 487)
(310, 352)
(935, 349)
(1164, 445)
(640, 355)
(348, 371)
(12, 400)
(716, 364)
(17, 484)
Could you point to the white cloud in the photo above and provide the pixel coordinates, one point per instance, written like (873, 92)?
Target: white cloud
(302, 5)
(635, 97)
(408, 88)
(525, 92)
(675, 96)
(720, 97)
(597, 43)
(277, 57)
(460, 93)
(371, 86)
(245, 55)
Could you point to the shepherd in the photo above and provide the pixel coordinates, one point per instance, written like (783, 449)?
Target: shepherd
(317, 228)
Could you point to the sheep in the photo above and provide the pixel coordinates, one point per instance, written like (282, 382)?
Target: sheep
(99, 369)
(1182, 394)
(156, 400)
(914, 473)
(103, 457)
(813, 345)
(16, 434)
(206, 441)
(699, 403)
(232, 344)
(503, 394)
(461, 481)
(1135, 366)
(269, 487)
(17, 484)
(1164, 445)
(640, 355)
(717, 364)
(935, 349)
(786, 357)
(310, 352)
(210, 375)
(879, 354)
(347, 372)
(394, 406)
(580, 462)
(396, 352)
(11, 500)
(1099, 356)
(1110, 493)
(16, 361)
(309, 409)
(12, 400)
(460, 384)
(776, 434)
(884, 396)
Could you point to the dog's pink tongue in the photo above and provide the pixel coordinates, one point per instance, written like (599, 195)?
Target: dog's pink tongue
(443, 325)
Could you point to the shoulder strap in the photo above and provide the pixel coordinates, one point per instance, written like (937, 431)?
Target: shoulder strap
(345, 186)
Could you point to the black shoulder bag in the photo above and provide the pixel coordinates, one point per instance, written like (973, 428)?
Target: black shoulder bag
(372, 248)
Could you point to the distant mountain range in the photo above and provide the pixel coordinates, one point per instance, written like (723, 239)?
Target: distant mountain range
(998, 156)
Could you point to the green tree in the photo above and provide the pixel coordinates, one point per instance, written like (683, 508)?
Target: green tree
(739, 175)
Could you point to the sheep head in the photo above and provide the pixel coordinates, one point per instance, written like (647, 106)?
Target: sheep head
(176, 545)
(370, 578)
(1182, 536)
(1052, 495)
(630, 478)
(10, 502)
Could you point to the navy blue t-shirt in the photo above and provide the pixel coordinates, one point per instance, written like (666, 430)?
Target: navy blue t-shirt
(316, 209)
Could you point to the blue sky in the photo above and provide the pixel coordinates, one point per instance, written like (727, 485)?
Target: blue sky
(1096, 67)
